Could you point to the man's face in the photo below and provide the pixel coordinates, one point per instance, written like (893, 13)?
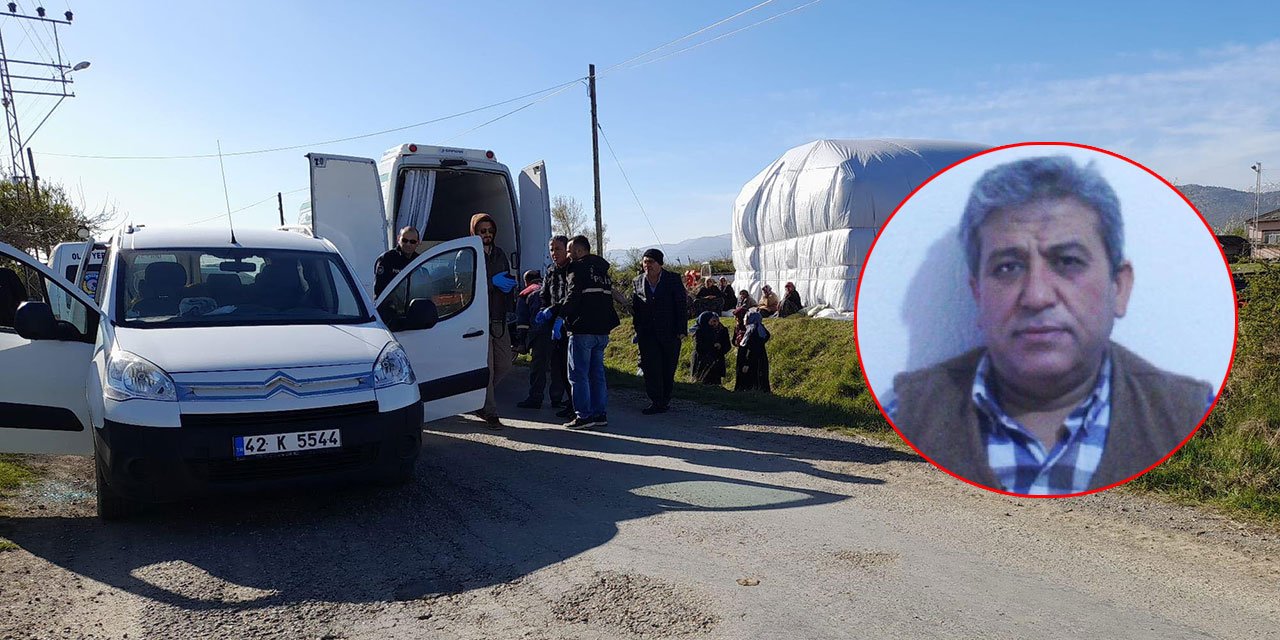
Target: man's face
(1046, 296)
(650, 266)
(409, 242)
(486, 231)
(559, 252)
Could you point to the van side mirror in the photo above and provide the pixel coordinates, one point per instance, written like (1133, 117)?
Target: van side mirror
(421, 314)
(35, 321)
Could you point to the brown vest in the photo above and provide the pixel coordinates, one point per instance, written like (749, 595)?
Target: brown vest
(1152, 411)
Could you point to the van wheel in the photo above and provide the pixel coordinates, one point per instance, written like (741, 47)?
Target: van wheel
(112, 505)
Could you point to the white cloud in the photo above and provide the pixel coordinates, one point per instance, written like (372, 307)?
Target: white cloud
(1198, 121)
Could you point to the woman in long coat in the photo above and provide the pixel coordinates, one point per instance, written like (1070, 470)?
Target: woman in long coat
(753, 359)
(710, 345)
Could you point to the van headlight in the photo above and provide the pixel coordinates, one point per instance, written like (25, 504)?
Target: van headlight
(130, 376)
(392, 367)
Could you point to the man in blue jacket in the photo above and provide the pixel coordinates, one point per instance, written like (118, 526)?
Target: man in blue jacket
(659, 311)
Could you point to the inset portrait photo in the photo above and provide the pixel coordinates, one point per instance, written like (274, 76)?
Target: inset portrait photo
(1045, 319)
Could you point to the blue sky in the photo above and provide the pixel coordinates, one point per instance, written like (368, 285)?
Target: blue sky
(1192, 90)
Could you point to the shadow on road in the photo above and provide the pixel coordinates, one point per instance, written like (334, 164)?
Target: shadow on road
(476, 515)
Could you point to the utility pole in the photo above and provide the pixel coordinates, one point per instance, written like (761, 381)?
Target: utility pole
(595, 157)
(7, 91)
(1257, 202)
(280, 204)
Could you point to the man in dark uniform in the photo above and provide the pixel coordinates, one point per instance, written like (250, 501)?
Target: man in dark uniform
(658, 310)
(392, 262)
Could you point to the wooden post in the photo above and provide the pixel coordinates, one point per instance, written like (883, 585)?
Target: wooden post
(595, 157)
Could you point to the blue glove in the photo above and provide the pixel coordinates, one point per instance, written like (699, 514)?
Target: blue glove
(504, 282)
(557, 328)
(542, 317)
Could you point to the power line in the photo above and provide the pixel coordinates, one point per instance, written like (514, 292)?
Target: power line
(722, 36)
(628, 181)
(250, 206)
(684, 37)
(561, 87)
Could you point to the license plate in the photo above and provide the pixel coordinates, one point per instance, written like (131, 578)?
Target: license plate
(286, 442)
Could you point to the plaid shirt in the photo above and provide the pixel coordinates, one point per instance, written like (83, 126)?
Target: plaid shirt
(1019, 459)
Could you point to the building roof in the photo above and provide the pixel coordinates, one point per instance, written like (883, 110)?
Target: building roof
(1269, 216)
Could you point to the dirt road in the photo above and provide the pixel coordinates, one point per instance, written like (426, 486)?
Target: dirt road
(702, 524)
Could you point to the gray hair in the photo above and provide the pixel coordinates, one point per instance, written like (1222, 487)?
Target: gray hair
(1045, 178)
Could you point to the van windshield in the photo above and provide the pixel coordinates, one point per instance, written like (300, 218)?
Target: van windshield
(234, 286)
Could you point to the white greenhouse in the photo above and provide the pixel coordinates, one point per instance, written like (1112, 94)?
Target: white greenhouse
(810, 216)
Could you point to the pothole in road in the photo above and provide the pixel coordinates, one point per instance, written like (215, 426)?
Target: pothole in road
(637, 604)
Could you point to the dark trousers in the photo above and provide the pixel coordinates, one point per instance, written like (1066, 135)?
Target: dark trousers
(559, 369)
(542, 356)
(660, 356)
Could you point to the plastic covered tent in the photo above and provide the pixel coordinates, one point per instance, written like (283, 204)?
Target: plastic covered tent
(811, 215)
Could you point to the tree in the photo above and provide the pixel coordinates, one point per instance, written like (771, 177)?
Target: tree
(568, 219)
(36, 221)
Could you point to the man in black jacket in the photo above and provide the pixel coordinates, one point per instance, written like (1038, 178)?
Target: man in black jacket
(554, 293)
(659, 311)
(393, 261)
(589, 316)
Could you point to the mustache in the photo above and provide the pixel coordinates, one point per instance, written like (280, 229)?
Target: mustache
(1041, 324)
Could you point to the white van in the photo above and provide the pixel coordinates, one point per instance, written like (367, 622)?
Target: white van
(203, 365)
(77, 262)
(359, 205)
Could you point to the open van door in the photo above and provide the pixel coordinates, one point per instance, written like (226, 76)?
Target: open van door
(451, 359)
(346, 209)
(535, 219)
(44, 406)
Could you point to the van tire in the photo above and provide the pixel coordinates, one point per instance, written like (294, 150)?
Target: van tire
(112, 505)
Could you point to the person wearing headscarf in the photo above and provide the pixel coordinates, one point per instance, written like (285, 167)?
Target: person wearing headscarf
(769, 302)
(791, 304)
(753, 360)
(727, 294)
(710, 345)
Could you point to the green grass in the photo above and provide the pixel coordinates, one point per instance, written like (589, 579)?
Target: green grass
(1234, 461)
(13, 474)
(813, 368)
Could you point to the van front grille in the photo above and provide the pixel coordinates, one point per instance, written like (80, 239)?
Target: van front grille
(209, 420)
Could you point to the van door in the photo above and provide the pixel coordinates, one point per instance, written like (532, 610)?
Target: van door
(535, 219)
(451, 359)
(44, 405)
(346, 209)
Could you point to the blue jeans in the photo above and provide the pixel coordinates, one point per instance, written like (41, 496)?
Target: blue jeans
(586, 374)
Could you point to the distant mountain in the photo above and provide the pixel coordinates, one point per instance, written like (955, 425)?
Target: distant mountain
(685, 251)
(1225, 208)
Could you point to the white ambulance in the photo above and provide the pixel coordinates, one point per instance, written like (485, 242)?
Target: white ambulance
(194, 367)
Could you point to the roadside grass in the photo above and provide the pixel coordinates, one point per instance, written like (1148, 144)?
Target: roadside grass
(1234, 461)
(13, 474)
(813, 368)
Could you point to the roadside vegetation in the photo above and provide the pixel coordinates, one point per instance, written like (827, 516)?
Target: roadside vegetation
(813, 370)
(1234, 461)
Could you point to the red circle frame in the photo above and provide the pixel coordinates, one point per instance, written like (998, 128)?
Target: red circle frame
(1235, 341)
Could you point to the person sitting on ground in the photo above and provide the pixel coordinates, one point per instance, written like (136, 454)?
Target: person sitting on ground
(727, 294)
(710, 346)
(769, 303)
(791, 304)
(708, 290)
(753, 359)
(745, 301)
